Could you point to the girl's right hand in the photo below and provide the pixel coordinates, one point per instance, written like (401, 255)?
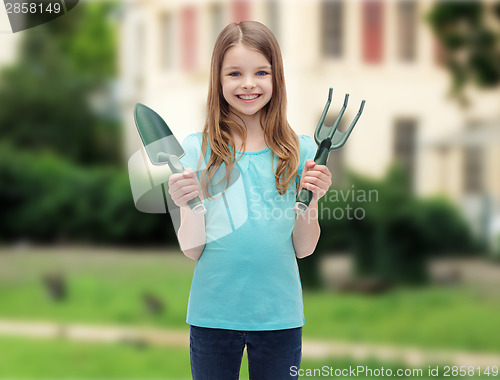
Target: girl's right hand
(183, 187)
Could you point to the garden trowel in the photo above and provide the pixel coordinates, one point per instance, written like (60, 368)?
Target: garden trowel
(161, 145)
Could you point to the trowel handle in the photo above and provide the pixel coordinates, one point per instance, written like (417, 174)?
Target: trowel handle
(305, 195)
(176, 166)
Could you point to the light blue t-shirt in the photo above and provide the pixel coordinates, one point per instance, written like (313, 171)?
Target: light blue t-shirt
(247, 277)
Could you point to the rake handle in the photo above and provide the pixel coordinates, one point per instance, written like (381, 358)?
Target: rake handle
(305, 196)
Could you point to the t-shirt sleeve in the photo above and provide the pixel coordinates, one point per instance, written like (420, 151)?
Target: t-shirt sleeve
(307, 149)
(192, 147)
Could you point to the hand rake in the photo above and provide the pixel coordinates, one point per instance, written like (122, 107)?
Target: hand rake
(328, 139)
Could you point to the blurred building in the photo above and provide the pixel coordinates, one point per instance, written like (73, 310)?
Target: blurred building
(383, 52)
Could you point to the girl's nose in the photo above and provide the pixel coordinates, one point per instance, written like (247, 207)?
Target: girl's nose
(248, 83)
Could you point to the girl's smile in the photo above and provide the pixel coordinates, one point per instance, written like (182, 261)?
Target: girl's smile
(246, 80)
(248, 98)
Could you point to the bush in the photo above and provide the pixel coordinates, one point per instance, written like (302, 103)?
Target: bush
(46, 199)
(394, 234)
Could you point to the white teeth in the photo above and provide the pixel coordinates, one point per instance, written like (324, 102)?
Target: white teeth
(248, 97)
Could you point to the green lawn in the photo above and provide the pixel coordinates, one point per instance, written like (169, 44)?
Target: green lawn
(429, 317)
(106, 287)
(52, 359)
(103, 287)
(23, 358)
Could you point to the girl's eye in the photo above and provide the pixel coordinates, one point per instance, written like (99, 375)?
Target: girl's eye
(261, 73)
(234, 74)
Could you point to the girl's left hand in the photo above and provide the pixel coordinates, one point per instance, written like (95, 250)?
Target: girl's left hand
(316, 178)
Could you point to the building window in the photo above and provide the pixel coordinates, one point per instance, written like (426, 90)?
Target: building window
(332, 28)
(407, 33)
(166, 42)
(188, 38)
(473, 170)
(373, 32)
(473, 163)
(217, 16)
(273, 17)
(139, 54)
(439, 52)
(405, 137)
(241, 10)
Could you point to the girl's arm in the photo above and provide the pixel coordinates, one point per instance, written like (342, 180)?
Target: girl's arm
(305, 235)
(306, 231)
(191, 234)
(183, 187)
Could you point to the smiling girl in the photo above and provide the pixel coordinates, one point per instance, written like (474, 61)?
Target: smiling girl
(246, 287)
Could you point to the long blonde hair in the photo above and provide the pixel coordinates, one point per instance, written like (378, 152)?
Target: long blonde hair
(279, 136)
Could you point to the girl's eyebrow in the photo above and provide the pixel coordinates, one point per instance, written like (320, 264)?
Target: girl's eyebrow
(267, 67)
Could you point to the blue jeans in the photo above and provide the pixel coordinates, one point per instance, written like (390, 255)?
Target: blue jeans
(216, 353)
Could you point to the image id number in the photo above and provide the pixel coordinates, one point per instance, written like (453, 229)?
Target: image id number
(32, 7)
(464, 370)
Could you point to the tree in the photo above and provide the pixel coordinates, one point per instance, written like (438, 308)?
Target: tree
(45, 95)
(468, 35)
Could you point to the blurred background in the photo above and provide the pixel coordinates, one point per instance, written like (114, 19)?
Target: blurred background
(407, 271)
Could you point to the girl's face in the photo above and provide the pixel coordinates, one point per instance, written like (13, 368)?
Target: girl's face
(246, 80)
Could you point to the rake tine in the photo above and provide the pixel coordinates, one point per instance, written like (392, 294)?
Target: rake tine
(341, 137)
(339, 117)
(323, 115)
